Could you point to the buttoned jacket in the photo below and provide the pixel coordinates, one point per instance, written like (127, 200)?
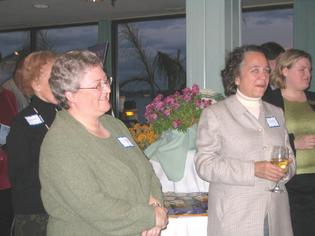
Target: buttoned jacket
(229, 142)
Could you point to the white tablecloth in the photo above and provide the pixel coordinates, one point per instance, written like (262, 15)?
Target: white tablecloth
(190, 182)
(186, 226)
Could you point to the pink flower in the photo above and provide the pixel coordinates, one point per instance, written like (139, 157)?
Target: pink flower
(195, 89)
(167, 112)
(198, 103)
(159, 105)
(186, 91)
(206, 103)
(177, 111)
(176, 123)
(152, 117)
(187, 97)
(158, 98)
(175, 105)
(169, 100)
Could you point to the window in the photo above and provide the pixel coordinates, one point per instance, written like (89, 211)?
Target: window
(151, 60)
(14, 41)
(67, 38)
(268, 25)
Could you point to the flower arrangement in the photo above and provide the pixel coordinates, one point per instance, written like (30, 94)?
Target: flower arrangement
(179, 110)
(143, 134)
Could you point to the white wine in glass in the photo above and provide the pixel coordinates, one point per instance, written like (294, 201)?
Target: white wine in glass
(280, 158)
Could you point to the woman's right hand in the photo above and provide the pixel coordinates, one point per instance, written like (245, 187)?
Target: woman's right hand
(305, 142)
(266, 170)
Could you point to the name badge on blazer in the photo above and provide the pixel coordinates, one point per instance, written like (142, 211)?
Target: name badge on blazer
(125, 142)
(272, 122)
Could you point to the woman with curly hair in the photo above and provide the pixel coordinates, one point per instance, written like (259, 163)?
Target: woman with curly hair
(234, 144)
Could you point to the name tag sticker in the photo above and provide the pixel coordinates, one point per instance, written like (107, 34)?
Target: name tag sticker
(4, 131)
(125, 142)
(272, 122)
(34, 120)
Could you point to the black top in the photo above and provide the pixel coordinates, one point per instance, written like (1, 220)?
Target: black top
(275, 97)
(24, 141)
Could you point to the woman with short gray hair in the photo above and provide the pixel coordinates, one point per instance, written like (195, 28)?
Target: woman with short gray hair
(95, 179)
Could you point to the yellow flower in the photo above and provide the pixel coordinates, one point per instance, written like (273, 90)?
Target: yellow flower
(143, 134)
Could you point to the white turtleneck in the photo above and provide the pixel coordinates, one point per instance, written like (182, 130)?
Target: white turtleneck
(251, 104)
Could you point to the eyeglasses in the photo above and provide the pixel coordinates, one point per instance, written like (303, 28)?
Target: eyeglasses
(102, 84)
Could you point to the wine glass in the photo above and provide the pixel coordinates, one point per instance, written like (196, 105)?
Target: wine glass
(280, 158)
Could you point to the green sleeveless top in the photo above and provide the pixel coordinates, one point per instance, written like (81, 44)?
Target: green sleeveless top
(300, 120)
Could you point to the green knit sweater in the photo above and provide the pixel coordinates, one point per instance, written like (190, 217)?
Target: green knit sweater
(95, 186)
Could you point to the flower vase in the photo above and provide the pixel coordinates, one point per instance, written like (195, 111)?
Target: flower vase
(170, 150)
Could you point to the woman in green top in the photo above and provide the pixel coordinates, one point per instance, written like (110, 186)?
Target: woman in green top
(95, 180)
(292, 77)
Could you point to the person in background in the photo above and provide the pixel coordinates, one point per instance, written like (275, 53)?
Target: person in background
(7, 112)
(292, 77)
(272, 51)
(95, 179)
(234, 143)
(24, 141)
(14, 85)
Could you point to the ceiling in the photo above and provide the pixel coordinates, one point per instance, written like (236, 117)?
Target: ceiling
(18, 14)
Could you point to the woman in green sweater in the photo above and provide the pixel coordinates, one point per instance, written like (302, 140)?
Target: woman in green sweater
(95, 180)
(292, 77)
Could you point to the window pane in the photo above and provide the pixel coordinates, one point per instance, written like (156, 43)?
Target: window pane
(151, 60)
(11, 42)
(14, 41)
(270, 25)
(67, 38)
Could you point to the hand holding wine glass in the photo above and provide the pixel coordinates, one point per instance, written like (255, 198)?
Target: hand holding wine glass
(280, 158)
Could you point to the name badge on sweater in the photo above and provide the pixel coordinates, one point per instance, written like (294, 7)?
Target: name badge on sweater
(34, 119)
(125, 142)
(272, 122)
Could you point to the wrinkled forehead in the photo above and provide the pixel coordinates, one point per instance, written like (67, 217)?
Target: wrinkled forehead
(254, 59)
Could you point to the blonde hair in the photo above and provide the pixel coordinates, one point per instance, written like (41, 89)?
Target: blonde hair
(286, 60)
(30, 69)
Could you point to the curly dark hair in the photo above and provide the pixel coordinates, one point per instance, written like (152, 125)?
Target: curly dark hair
(232, 66)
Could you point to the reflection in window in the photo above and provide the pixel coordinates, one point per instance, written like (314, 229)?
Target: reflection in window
(11, 42)
(151, 60)
(268, 25)
(67, 38)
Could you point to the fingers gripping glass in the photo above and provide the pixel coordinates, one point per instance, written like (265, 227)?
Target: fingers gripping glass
(101, 85)
(280, 158)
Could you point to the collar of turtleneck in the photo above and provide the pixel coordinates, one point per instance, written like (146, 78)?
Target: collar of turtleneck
(251, 104)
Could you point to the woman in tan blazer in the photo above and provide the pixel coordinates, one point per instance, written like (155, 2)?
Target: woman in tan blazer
(234, 143)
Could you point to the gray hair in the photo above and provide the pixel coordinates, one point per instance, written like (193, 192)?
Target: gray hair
(68, 71)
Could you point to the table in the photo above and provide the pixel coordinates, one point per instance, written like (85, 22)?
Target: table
(188, 214)
(192, 225)
(186, 226)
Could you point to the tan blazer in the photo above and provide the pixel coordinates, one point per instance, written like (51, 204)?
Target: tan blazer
(229, 141)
